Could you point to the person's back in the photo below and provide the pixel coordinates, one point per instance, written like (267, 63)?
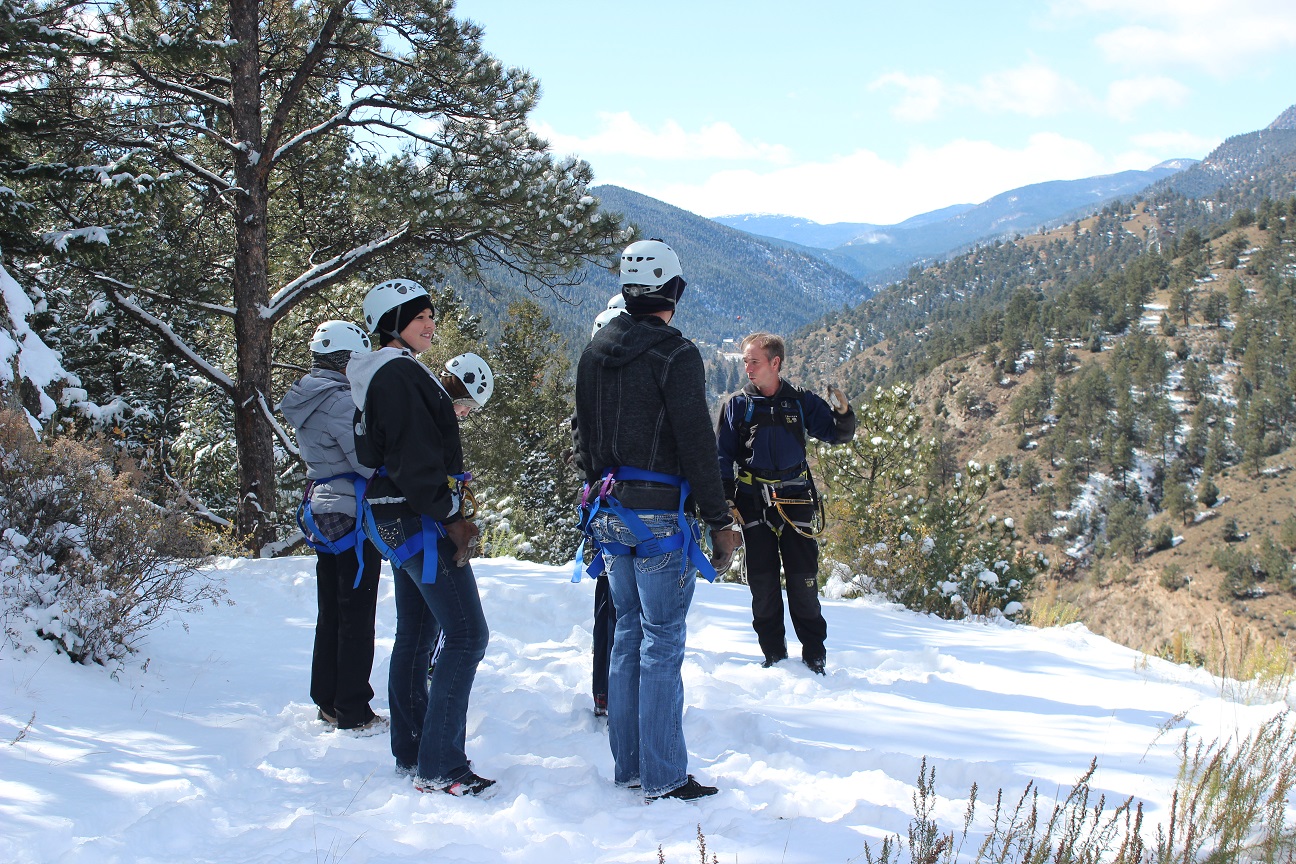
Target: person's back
(641, 402)
(319, 407)
(644, 440)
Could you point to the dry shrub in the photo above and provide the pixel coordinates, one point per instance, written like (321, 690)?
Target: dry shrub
(1229, 806)
(85, 560)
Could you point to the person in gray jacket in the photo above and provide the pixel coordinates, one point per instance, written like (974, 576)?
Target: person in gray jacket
(319, 406)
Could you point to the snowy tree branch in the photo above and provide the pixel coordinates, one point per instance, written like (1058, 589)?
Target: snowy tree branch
(126, 302)
(176, 87)
(216, 308)
(281, 433)
(330, 272)
(198, 507)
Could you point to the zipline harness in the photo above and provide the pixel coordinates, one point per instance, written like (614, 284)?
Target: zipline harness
(647, 545)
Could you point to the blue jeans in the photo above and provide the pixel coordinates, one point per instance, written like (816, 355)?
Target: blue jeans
(429, 719)
(645, 687)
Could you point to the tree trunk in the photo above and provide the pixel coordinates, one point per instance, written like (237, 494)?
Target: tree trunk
(253, 436)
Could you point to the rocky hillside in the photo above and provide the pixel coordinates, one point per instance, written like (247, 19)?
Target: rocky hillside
(1133, 376)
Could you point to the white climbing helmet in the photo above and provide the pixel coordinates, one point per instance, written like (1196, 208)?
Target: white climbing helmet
(648, 265)
(385, 296)
(338, 336)
(475, 375)
(604, 317)
(617, 301)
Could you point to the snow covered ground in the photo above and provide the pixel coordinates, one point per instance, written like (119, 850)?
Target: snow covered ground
(206, 747)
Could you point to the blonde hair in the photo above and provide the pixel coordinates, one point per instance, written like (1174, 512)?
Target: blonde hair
(769, 343)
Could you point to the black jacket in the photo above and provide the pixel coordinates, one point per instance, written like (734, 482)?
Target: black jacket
(408, 427)
(641, 402)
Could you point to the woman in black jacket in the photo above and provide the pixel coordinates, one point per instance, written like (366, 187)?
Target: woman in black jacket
(409, 432)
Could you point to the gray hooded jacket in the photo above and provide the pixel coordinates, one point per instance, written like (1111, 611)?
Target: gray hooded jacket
(319, 407)
(641, 402)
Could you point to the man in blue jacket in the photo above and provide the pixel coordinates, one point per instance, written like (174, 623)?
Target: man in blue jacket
(762, 432)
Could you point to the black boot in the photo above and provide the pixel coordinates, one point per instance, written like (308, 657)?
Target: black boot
(689, 791)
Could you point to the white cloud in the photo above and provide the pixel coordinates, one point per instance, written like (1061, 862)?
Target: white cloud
(1183, 143)
(1218, 36)
(622, 135)
(1032, 89)
(920, 96)
(1150, 148)
(863, 187)
(1126, 97)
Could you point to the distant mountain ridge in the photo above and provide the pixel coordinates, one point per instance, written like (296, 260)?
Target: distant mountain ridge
(737, 282)
(1252, 165)
(1285, 120)
(880, 253)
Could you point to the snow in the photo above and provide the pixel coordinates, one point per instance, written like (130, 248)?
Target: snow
(36, 361)
(205, 747)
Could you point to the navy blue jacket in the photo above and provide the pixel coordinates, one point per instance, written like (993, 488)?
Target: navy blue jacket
(766, 435)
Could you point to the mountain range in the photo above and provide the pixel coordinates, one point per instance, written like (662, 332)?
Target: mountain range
(877, 254)
(737, 282)
(783, 273)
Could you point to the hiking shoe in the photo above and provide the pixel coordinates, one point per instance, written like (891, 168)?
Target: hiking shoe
(406, 771)
(600, 706)
(817, 665)
(770, 661)
(691, 790)
(326, 717)
(375, 725)
(469, 784)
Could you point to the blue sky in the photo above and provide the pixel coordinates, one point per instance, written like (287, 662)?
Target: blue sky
(869, 112)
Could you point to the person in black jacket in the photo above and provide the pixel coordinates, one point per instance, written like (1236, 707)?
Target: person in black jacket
(762, 431)
(407, 429)
(644, 429)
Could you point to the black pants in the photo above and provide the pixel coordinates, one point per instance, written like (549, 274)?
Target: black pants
(604, 630)
(344, 635)
(798, 556)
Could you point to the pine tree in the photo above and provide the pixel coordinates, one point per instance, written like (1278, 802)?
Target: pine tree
(927, 545)
(516, 447)
(236, 161)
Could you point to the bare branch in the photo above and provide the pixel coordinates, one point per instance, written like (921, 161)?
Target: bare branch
(198, 507)
(216, 308)
(280, 432)
(176, 87)
(295, 87)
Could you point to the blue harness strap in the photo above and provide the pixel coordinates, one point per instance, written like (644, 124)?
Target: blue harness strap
(425, 541)
(311, 532)
(647, 544)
